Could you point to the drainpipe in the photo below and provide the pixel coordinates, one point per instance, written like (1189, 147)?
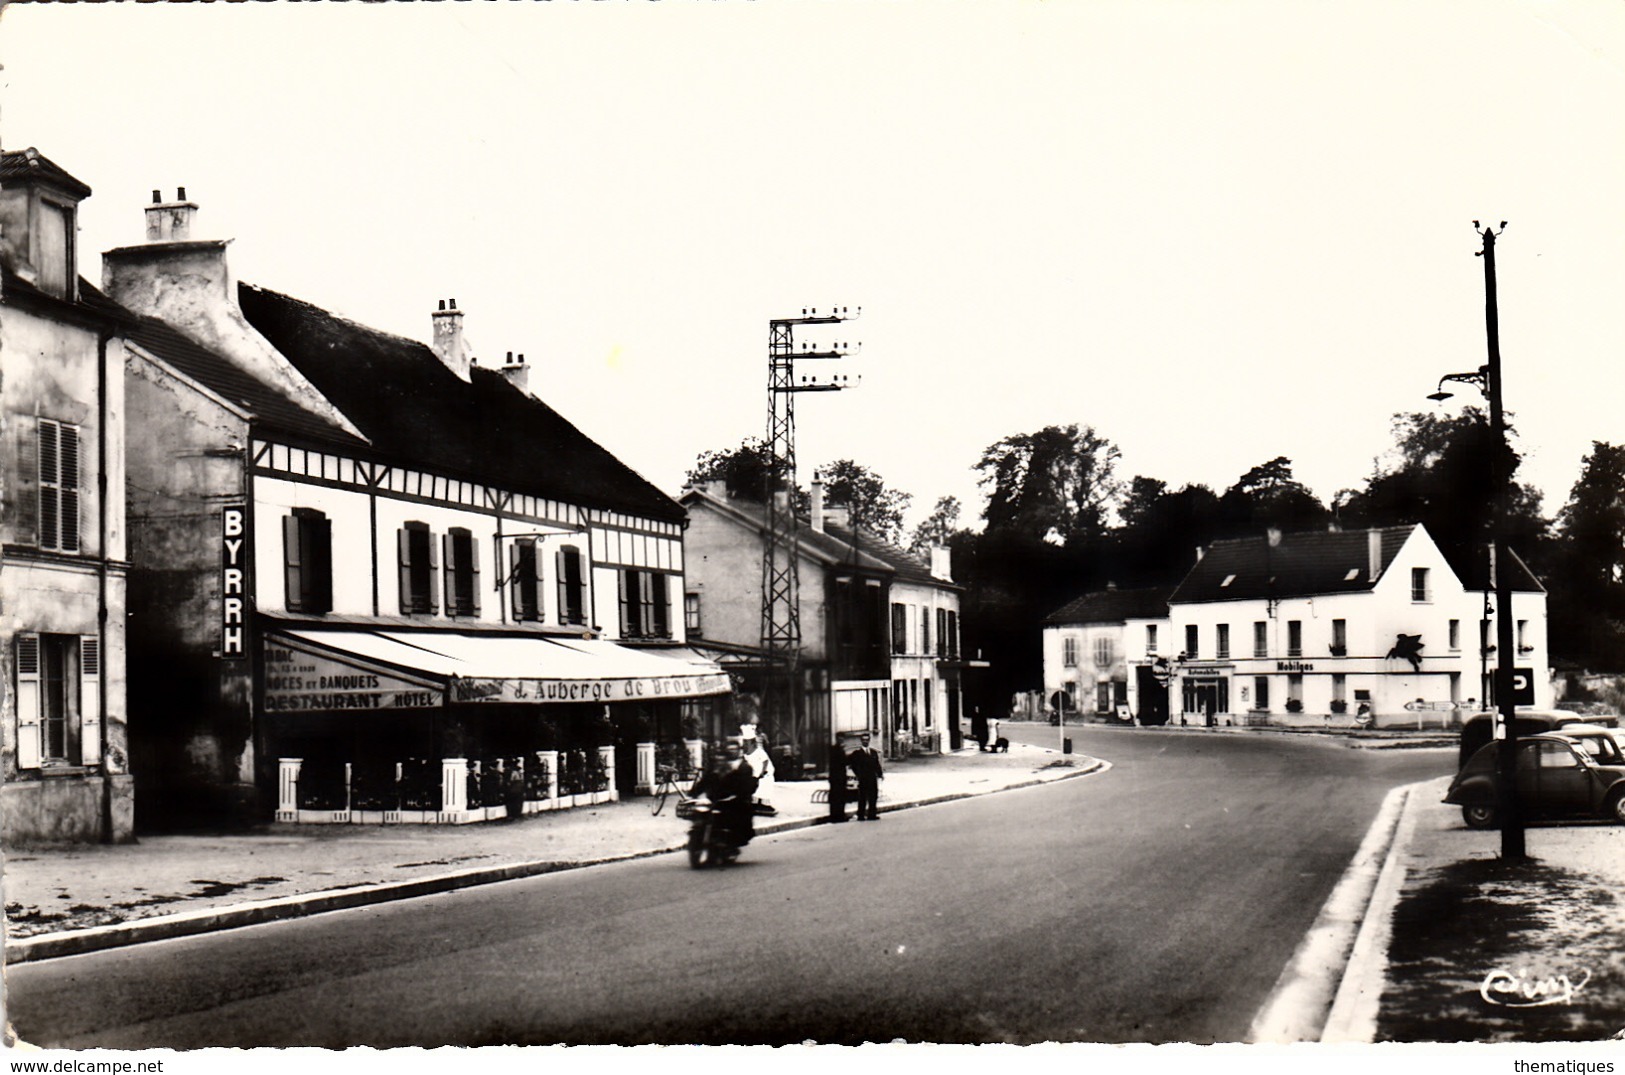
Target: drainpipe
(102, 434)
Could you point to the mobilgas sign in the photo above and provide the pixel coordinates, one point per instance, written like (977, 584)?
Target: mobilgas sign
(233, 584)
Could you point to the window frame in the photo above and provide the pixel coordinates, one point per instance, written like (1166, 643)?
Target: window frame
(1261, 638)
(1221, 641)
(460, 554)
(1421, 586)
(307, 561)
(58, 519)
(418, 554)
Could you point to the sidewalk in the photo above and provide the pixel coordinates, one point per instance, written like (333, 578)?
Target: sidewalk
(1461, 947)
(60, 901)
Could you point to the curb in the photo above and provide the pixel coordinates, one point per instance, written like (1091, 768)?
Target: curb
(1300, 1005)
(192, 923)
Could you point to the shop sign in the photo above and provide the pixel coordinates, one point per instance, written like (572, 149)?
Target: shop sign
(301, 682)
(1294, 666)
(641, 688)
(233, 584)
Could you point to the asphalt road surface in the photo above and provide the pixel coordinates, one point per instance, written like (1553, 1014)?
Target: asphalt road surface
(1157, 901)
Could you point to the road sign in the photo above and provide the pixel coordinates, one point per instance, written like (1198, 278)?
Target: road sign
(1420, 706)
(1523, 686)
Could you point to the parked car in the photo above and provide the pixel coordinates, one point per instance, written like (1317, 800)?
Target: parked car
(1558, 776)
(1479, 728)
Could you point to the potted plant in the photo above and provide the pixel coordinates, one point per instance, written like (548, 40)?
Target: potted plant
(1294, 705)
(1339, 706)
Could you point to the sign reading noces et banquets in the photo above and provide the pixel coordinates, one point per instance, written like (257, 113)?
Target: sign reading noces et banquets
(301, 682)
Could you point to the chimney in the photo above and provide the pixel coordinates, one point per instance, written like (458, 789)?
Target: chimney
(1373, 544)
(448, 338)
(818, 505)
(517, 373)
(942, 563)
(170, 222)
(1200, 552)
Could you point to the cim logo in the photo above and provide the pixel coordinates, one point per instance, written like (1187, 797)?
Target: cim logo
(233, 584)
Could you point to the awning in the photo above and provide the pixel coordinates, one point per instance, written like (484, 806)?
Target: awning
(481, 668)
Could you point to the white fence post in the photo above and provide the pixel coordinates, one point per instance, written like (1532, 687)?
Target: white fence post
(287, 798)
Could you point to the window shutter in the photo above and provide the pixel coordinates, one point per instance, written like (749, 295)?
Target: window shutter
(516, 604)
(448, 545)
(434, 574)
(293, 561)
(564, 596)
(321, 569)
(662, 604)
(474, 575)
(50, 514)
(403, 541)
(537, 581)
(28, 702)
(625, 582)
(69, 482)
(90, 700)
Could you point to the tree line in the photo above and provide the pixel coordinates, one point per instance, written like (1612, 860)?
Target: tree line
(1060, 521)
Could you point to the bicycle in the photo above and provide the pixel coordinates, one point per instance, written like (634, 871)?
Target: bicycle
(670, 783)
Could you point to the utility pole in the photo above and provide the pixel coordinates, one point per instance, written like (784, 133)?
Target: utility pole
(1509, 807)
(781, 584)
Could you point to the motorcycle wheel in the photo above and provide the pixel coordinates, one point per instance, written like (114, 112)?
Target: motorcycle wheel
(696, 846)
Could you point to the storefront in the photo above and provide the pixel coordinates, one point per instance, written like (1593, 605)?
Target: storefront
(375, 726)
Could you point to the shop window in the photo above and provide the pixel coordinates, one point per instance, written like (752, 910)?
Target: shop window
(1069, 652)
(1103, 697)
(1294, 689)
(525, 581)
(899, 628)
(1261, 693)
(462, 558)
(1261, 639)
(645, 604)
(57, 453)
(58, 694)
(1339, 687)
(1420, 593)
(1221, 641)
(419, 570)
(1191, 640)
(572, 586)
(1294, 638)
(691, 613)
(307, 561)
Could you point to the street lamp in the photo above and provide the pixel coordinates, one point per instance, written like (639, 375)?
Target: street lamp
(1487, 379)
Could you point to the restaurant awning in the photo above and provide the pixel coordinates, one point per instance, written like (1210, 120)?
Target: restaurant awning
(486, 668)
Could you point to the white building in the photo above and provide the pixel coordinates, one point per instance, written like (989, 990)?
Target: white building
(1096, 649)
(1310, 628)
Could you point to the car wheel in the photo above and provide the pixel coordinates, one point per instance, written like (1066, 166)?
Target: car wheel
(1616, 807)
(1479, 816)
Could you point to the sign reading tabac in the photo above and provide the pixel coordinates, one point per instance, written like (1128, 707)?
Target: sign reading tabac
(300, 681)
(588, 690)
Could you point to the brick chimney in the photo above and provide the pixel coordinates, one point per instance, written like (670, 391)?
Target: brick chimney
(517, 373)
(448, 338)
(170, 222)
(1373, 545)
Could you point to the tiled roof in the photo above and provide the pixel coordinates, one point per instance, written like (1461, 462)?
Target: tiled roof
(1312, 562)
(410, 406)
(268, 407)
(31, 164)
(1114, 606)
(819, 545)
(907, 566)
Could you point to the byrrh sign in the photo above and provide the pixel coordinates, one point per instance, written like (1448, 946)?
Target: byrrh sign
(233, 584)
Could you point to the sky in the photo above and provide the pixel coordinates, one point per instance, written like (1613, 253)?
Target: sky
(1216, 233)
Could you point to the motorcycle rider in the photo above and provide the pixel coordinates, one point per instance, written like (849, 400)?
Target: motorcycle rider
(729, 785)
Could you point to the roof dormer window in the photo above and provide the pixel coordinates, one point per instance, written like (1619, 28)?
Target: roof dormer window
(54, 256)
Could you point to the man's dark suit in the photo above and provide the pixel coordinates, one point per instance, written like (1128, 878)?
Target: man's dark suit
(864, 764)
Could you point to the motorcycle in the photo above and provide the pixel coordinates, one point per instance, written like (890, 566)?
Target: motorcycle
(711, 841)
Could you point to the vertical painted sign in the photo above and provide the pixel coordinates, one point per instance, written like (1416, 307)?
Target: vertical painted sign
(233, 584)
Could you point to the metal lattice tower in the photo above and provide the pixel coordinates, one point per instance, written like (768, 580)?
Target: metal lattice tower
(781, 584)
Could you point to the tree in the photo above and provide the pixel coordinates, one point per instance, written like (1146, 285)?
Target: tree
(873, 506)
(1587, 581)
(743, 470)
(1161, 532)
(1267, 497)
(1060, 477)
(937, 528)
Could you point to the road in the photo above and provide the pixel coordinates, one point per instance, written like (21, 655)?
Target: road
(1157, 901)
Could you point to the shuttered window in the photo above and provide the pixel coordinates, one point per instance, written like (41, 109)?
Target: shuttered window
(419, 559)
(525, 581)
(58, 699)
(572, 590)
(462, 576)
(57, 453)
(899, 627)
(645, 601)
(307, 558)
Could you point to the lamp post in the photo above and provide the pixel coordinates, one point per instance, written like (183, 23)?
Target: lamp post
(1487, 378)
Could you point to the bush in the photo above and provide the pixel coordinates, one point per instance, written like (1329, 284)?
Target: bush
(1339, 706)
(1294, 705)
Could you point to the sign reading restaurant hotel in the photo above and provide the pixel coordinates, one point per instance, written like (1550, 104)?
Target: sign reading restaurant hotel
(588, 690)
(297, 681)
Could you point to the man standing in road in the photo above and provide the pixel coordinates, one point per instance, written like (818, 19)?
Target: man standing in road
(865, 766)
